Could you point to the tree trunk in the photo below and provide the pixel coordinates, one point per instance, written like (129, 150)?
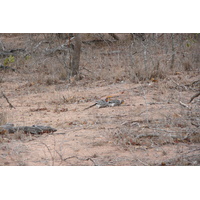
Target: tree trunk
(76, 55)
(173, 52)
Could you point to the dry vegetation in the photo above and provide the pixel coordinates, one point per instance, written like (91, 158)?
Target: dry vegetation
(156, 75)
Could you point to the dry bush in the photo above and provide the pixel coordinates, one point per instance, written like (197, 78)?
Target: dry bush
(139, 60)
(19, 135)
(134, 57)
(165, 120)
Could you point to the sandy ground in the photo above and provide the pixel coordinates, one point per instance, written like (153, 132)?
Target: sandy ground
(101, 137)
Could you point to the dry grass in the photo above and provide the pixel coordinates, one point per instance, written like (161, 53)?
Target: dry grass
(3, 118)
(163, 118)
(127, 59)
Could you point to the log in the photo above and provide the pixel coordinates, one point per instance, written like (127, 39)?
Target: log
(35, 129)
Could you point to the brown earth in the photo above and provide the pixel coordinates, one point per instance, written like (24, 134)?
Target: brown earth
(98, 136)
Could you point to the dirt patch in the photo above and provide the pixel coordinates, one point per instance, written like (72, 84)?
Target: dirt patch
(146, 130)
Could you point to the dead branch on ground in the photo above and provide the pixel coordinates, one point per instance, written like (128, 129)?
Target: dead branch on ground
(147, 135)
(193, 97)
(2, 67)
(86, 159)
(10, 105)
(183, 104)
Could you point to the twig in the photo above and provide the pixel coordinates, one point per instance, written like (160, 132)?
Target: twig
(92, 161)
(195, 124)
(87, 69)
(81, 159)
(178, 85)
(65, 100)
(198, 149)
(52, 157)
(142, 162)
(175, 82)
(11, 106)
(147, 135)
(153, 103)
(111, 52)
(90, 106)
(196, 95)
(184, 105)
(195, 82)
(69, 158)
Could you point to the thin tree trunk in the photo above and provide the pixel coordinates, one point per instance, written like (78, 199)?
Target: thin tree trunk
(76, 55)
(145, 55)
(173, 52)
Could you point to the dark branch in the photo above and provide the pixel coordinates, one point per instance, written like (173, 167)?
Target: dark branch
(11, 106)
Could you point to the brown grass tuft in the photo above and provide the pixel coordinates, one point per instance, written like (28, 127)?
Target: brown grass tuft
(3, 118)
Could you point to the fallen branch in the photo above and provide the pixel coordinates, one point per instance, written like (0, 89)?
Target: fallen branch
(111, 52)
(144, 163)
(196, 95)
(6, 68)
(183, 104)
(195, 83)
(147, 135)
(178, 85)
(52, 157)
(35, 129)
(87, 69)
(187, 136)
(97, 42)
(11, 106)
(81, 159)
(195, 124)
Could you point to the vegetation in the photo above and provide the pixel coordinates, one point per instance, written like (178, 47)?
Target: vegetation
(9, 60)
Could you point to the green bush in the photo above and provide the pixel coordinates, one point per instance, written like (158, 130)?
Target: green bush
(8, 60)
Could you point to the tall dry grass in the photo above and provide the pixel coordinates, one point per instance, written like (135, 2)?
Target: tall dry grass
(131, 58)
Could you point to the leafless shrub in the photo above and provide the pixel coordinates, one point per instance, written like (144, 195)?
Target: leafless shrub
(140, 58)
